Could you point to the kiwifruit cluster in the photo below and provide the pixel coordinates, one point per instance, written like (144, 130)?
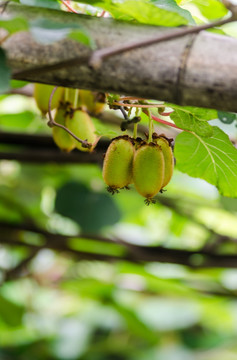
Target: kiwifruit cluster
(72, 111)
(148, 165)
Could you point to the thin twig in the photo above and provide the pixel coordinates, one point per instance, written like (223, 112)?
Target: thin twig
(99, 55)
(65, 3)
(52, 123)
(165, 122)
(145, 106)
(16, 271)
(124, 113)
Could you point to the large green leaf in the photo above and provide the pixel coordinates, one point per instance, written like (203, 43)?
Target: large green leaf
(194, 119)
(211, 9)
(145, 12)
(5, 74)
(148, 13)
(213, 159)
(171, 5)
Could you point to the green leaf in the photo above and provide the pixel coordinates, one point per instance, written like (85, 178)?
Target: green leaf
(5, 73)
(10, 312)
(226, 117)
(14, 24)
(211, 9)
(171, 5)
(82, 37)
(15, 121)
(92, 211)
(145, 12)
(96, 247)
(194, 119)
(134, 324)
(15, 84)
(47, 32)
(50, 4)
(148, 13)
(213, 159)
(91, 288)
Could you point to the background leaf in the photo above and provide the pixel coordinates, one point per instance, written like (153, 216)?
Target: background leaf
(226, 117)
(213, 159)
(10, 312)
(92, 211)
(48, 32)
(5, 73)
(15, 24)
(51, 4)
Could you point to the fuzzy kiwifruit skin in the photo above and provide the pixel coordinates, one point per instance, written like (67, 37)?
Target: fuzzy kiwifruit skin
(62, 139)
(82, 126)
(117, 167)
(168, 157)
(148, 170)
(42, 94)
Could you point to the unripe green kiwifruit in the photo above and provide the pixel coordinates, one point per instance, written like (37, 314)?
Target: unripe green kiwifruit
(117, 167)
(89, 100)
(148, 170)
(81, 125)
(42, 94)
(168, 157)
(62, 139)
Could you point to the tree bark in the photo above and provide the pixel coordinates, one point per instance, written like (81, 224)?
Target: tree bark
(199, 70)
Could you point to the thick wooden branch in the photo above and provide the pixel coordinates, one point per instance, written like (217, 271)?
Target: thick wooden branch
(198, 70)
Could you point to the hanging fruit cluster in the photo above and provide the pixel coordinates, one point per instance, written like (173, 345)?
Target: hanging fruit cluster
(72, 126)
(148, 164)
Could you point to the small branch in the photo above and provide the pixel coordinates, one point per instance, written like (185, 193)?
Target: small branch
(52, 123)
(133, 253)
(165, 122)
(145, 106)
(99, 55)
(32, 155)
(65, 3)
(17, 270)
(124, 113)
(3, 6)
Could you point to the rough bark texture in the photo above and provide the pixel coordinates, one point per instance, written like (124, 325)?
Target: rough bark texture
(199, 70)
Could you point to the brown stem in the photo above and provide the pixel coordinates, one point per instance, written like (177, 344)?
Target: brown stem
(16, 271)
(52, 123)
(145, 106)
(65, 3)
